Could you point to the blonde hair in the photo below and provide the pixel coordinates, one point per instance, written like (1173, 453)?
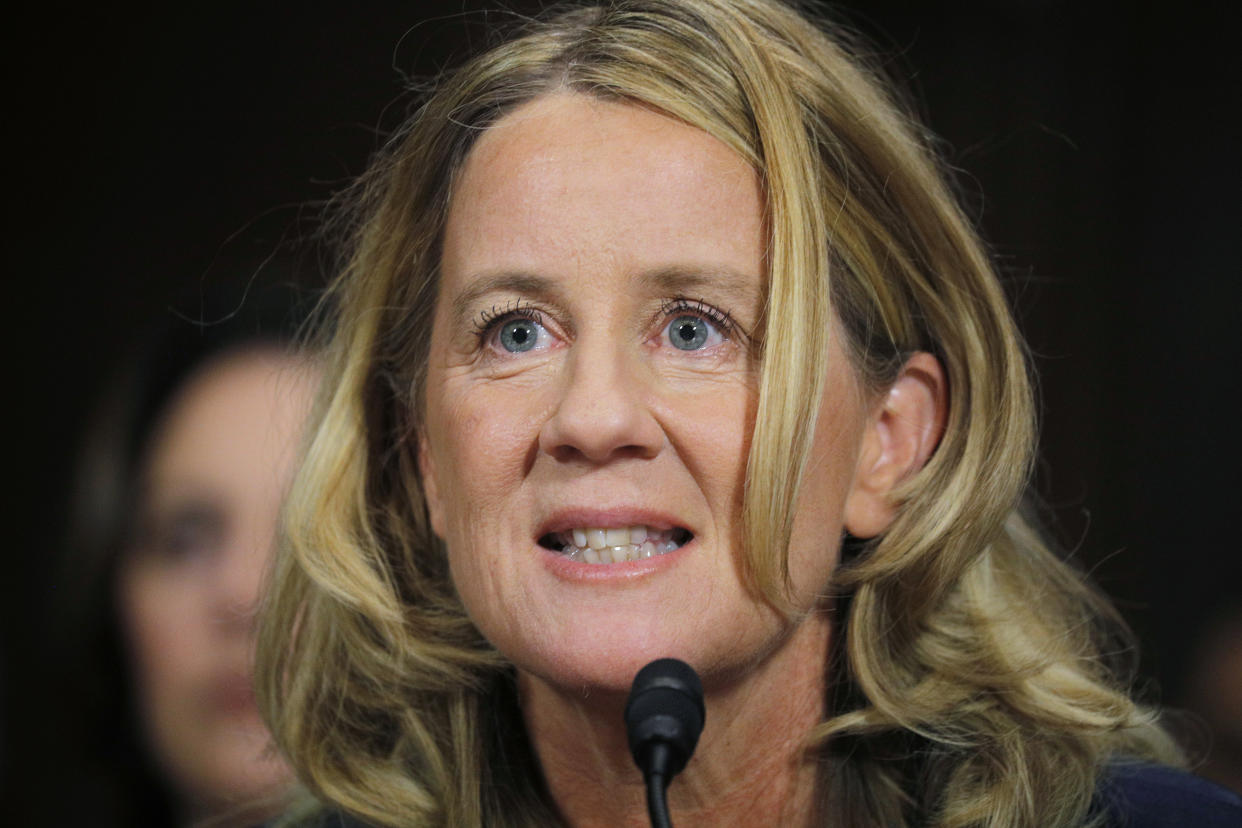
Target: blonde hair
(971, 687)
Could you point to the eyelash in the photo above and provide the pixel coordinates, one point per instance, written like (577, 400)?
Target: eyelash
(488, 319)
(682, 305)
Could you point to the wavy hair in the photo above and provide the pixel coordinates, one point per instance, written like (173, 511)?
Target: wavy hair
(976, 682)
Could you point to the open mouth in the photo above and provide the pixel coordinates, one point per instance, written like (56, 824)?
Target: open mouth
(604, 546)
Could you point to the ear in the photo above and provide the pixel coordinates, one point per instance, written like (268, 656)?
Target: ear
(904, 429)
(431, 485)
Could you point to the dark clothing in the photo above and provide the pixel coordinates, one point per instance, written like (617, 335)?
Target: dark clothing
(1155, 796)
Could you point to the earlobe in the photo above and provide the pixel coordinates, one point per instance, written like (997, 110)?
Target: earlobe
(905, 428)
(431, 487)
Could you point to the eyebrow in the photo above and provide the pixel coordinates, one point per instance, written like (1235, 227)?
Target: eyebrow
(675, 280)
(526, 284)
(678, 280)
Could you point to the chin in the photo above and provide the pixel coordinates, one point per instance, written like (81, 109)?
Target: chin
(608, 661)
(245, 767)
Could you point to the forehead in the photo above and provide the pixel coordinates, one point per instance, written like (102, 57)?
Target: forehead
(240, 412)
(568, 177)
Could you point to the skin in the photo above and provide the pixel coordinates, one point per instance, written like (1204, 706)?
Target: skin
(214, 477)
(596, 215)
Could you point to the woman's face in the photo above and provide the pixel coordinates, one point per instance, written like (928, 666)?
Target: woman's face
(214, 475)
(591, 381)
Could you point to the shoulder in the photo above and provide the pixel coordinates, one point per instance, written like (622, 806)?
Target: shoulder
(1141, 795)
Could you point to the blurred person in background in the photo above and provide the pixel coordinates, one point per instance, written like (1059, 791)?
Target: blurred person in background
(174, 520)
(1213, 695)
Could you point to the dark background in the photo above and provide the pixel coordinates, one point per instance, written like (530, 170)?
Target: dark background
(160, 150)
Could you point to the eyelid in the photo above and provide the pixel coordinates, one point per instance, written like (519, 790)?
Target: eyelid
(490, 322)
(175, 533)
(490, 318)
(722, 319)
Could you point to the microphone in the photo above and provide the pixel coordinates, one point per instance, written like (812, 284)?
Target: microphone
(663, 719)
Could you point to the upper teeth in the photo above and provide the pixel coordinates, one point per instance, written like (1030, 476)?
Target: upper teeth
(628, 543)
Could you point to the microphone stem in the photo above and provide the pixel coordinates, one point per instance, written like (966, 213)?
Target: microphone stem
(657, 802)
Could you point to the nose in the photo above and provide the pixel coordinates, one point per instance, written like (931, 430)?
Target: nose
(239, 578)
(603, 408)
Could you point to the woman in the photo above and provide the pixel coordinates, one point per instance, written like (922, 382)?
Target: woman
(178, 501)
(662, 335)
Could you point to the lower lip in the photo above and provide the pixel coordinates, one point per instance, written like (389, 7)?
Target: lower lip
(589, 573)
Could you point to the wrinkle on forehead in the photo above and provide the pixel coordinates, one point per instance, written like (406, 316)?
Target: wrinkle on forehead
(528, 159)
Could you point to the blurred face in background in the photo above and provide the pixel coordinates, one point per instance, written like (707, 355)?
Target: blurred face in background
(213, 477)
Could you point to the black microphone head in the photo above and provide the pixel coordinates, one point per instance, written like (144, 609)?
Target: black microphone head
(665, 707)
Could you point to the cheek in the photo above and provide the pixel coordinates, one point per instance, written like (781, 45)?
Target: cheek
(712, 437)
(481, 446)
(815, 542)
(710, 426)
(481, 452)
(157, 621)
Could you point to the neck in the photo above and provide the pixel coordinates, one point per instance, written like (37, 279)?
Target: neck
(751, 765)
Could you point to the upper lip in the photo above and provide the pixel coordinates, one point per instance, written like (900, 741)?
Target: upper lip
(581, 517)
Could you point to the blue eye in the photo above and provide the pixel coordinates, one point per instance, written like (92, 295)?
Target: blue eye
(519, 335)
(696, 325)
(691, 333)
